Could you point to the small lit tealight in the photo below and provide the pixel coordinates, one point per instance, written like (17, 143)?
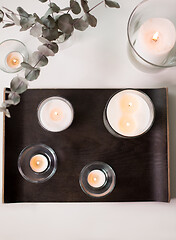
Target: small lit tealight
(39, 163)
(14, 59)
(96, 178)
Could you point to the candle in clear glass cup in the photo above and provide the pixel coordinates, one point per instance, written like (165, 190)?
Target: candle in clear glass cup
(155, 39)
(96, 178)
(55, 114)
(129, 113)
(14, 60)
(39, 163)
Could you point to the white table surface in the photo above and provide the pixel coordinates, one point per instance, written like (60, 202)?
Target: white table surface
(98, 58)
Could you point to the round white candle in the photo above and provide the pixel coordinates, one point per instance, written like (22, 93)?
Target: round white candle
(130, 113)
(55, 114)
(39, 163)
(14, 60)
(155, 39)
(96, 178)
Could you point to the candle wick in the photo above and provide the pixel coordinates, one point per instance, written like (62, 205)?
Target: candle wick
(130, 104)
(128, 124)
(155, 37)
(38, 162)
(95, 179)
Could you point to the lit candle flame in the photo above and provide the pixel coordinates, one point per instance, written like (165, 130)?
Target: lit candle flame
(155, 37)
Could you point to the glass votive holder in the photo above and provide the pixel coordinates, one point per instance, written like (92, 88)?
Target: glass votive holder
(128, 113)
(37, 163)
(12, 54)
(152, 33)
(55, 114)
(97, 179)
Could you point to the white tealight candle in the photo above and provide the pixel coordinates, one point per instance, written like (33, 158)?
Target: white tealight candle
(39, 163)
(155, 39)
(130, 113)
(96, 178)
(14, 60)
(55, 114)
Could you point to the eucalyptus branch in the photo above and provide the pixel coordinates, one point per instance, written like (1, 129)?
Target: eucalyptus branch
(56, 24)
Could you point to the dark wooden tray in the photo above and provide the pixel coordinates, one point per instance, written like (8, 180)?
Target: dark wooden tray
(141, 164)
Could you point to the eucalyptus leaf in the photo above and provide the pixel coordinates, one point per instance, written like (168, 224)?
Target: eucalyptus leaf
(36, 30)
(13, 98)
(5, 111)
(39, 59)
(48, 22)
(26, 65)
(7, 15)
(112, 4)
(31, 75)
(27, 23)
(1, 15)
(15, 19)
(18, 85)
(48, 12)
(8, 25)
(22, 12)
(44, 40)
(52, 46)
(75, 7)
(65, 23)
(43, 1)
(50, 34)
(84, 4)
(8, 102)
(54, 7)
(80, 24)
(91, 20)
(45, 50)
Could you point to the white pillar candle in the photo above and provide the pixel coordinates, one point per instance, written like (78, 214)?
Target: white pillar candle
(14, 60)
(156, 38)
(55, 114)
(130, 113)
(96, 178)
(39, 163)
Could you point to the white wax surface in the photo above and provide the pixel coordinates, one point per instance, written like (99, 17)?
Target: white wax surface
(64, 110)
(142, 117)
(155, 51)
(39, 163)
(96, 178)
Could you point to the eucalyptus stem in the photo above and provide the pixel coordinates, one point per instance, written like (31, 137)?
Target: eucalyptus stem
(34, 66)
(95, 6)
(52, 10)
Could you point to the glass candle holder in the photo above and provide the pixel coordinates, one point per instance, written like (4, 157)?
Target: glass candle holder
(152, 32)
(12, 53)
(55, 114)
(97, 179)
(128, 113)
(37, 163)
